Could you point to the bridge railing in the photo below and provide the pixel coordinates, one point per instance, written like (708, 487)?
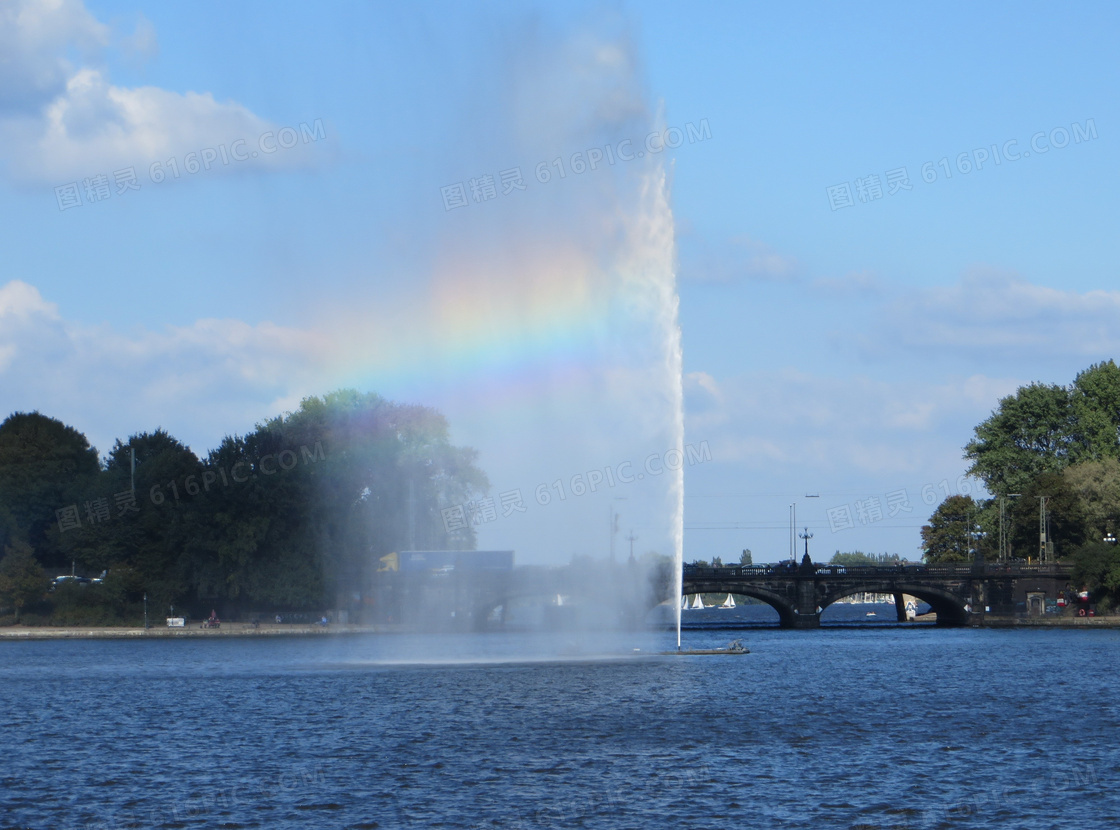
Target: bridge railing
(872, 571)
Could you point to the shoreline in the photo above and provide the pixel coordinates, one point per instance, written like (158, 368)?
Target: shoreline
(94, 632)
(1044, 622)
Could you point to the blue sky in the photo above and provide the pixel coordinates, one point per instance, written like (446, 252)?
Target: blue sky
(831, 348)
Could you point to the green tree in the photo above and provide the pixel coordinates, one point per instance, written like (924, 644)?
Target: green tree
(364, 477)
(152, 539)
(22, 579)
(291, 515)
(950, 535)
(1095, 405)
(852, 559)
(1066, 528)
(1030, 433)
(44, 467)
(1096, 566)
(745, 558)
(1096, 485)
(1045, 427)
(855, 558)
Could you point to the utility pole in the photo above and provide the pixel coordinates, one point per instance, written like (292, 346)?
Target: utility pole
(793, 532)
(1041, 529)
(1004, 531)
(612, 527)
(631, 539)
(411, 514)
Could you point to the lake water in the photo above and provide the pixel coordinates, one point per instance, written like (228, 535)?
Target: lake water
(848, 727)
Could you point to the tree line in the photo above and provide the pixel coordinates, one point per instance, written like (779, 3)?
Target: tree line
(1049, 458)
(287, 517)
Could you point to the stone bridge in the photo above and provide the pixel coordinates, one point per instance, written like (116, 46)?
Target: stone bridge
(959, 594)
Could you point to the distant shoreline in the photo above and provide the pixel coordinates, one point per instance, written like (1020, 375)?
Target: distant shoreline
(245, 630)
(94, 632)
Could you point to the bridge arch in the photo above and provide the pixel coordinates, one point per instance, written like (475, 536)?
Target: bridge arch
(785, 606)
(949, 607)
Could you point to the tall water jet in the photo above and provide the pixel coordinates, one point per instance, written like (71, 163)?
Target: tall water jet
(670, 322)
(653, 243)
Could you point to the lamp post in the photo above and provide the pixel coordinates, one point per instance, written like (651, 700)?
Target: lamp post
(145, 610)
(793, 528)
(806, 535)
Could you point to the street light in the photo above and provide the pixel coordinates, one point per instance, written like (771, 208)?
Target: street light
(793, 527)
(1109, 538)
(806, 535)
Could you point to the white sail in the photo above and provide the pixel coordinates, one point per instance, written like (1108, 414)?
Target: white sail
(697, 603)
(729, 602)
(684, 603)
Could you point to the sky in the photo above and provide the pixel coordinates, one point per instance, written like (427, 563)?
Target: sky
(863, 224)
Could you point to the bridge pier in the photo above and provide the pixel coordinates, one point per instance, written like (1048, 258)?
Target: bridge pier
(899, 606)
(805, 621)
(807, 613)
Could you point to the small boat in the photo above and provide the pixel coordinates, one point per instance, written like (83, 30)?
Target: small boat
(871, 614)
(729, 602)
(697, 603)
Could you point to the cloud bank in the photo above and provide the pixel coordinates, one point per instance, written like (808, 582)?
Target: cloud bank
(62, 118)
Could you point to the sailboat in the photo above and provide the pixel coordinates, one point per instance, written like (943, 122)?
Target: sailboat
(697, 603)
(684, 603)
(729, 602)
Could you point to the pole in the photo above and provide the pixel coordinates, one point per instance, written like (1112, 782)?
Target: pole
(610, 529)
(806, 536)
(411, 514)
(1002, 557)
(793, 532)
(1042, 540)
(145, 610)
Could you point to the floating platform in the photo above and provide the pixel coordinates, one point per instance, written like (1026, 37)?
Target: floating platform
(734, 647)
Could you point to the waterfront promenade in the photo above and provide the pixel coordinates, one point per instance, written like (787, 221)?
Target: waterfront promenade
(93, 632)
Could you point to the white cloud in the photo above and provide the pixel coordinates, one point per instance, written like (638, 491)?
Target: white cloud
(200, 381)
(35, 36)
(20, 300)
(60, 122)
(1003, 315)
(853, 425)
